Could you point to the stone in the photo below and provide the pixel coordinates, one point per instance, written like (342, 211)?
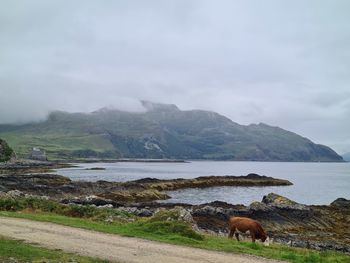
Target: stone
(185, 215)
(144, 212)
(259, 206)
(105, 206)
(15, 194)
(282, 202)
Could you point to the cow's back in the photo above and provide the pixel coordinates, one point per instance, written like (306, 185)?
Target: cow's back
(243, 224)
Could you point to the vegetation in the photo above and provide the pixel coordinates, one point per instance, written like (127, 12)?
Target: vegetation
(162, 132)
(5, 151)
(164, 227)
(34, 204)
(17, 251)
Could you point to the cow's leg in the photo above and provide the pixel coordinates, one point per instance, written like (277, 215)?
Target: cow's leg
(252, 234)
(232, 231)
(237, 236)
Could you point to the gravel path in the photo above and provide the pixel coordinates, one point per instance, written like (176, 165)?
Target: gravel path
(111, 247)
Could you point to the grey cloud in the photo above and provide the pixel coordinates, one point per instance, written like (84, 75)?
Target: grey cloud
(283, 63)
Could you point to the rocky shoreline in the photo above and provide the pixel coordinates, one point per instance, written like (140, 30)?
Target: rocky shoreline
(25, 166)
(32, 178)
(287, 222)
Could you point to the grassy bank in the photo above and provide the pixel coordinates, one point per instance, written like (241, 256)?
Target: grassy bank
(17, 251)
(179, 233)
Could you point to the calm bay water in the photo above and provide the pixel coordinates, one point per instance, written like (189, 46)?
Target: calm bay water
(314, 183)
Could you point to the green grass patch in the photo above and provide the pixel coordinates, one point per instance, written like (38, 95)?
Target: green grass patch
(179, 233)
(17, 251)
(57, 143)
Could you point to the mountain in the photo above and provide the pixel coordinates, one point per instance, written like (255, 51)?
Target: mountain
(162, 131)
(346, 157)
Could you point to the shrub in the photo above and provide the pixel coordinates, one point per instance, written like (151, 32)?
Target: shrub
(5, 151)
(49, 206)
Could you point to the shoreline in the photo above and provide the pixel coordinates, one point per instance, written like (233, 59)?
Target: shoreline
(308, 226)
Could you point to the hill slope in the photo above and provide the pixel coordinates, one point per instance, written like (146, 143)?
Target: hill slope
(163, 131)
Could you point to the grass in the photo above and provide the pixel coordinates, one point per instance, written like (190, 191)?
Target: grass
(17, 251)
(57, 144)
(179, 233)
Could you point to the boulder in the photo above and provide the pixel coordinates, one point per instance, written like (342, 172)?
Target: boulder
(185, 215)
(282, 202)
(259, 206)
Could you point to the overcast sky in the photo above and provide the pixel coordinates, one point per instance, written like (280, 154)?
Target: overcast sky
(284, 63)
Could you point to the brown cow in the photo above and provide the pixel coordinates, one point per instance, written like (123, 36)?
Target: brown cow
(243, 224)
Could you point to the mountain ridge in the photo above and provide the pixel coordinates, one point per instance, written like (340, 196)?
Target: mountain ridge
(162, 131)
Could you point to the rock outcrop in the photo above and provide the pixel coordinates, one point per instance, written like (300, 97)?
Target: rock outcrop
(318, 227)
(210, 181)
(143, 190)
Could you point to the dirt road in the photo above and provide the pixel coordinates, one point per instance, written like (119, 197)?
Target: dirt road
(111, 247)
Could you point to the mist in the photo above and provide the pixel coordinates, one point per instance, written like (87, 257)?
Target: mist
(284, 64)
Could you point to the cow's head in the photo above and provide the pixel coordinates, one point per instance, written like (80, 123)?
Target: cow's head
(267, 241)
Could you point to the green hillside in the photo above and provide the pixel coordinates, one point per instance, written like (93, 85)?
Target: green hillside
(163, 131)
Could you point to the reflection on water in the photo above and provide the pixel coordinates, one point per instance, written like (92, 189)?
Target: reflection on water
(314, 183)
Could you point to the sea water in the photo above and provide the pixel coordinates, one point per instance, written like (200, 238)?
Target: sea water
(313, 183)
